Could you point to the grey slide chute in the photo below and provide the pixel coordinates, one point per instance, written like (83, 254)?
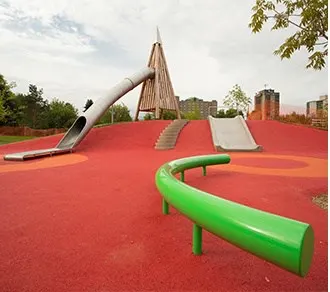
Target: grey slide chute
(86, 121)
(232, 134)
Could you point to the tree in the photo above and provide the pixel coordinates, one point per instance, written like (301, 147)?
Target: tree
(295, 118)
(119, 112)
(194, 114)
(149, 116)
(3, 111)
(8, 103)
(221, 114)
(310, 18)
(169, 115)
(60, 114)
(88, 104)
(34, 107)
(237, 99)
(230, 113)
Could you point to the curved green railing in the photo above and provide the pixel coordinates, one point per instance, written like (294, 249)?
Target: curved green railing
(286, 243)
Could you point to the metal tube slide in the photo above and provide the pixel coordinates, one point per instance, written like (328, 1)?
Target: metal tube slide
(284, 242)
(85, 122)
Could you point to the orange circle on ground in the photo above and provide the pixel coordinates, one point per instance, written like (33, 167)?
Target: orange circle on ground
(312, 167)
(49, 162)
(266, 162)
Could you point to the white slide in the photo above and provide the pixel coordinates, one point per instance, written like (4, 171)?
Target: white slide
(232, 134)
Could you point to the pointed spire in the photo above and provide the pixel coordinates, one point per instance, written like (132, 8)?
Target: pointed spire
(157, 94)
(159, 40)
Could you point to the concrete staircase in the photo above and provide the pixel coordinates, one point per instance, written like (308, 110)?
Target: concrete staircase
(167, 138)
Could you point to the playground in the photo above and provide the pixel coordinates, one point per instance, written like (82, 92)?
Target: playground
(111, 214)
(92, 220)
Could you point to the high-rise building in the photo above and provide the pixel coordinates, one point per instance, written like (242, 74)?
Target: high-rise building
(315, 108)
(193, 104)
(267, 104)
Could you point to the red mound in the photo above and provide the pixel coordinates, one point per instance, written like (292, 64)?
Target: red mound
(196, 136)
(285, 138)
(97, 225)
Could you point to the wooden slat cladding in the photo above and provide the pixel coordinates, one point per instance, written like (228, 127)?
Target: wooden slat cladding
(157, 94)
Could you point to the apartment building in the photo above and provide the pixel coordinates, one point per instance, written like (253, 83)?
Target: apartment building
(316, 108)
(267, 104)
(205, 108)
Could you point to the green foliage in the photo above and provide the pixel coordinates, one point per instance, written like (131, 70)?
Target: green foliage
(17, 108)
(169, 115)
(60, 114)
(34, 107)
(237, 99)
(3, 111)
(309, 17)
(221, 114)
(7, 103)
(11, 139)
(88, 104)
(295, 118)
(149, 116)
(230, 113)
(195, 113)
(120, 113)
(32, 110)
(193, 116)
(193, 98)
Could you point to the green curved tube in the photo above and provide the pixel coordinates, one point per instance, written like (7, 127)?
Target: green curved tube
(284, 242)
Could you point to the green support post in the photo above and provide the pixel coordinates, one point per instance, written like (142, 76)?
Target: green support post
(165, 207)
(204, 170)
(197, 240)
(182, 176)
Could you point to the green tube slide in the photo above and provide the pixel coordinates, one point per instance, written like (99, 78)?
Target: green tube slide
(284, 242)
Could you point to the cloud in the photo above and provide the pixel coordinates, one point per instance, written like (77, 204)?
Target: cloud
(79, 49)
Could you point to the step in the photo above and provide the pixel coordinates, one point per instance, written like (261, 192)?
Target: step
(164, 147)
(168, 137)
(174, 127)
(170, 134)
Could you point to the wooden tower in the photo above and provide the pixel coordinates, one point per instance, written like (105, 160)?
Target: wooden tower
(157, 94)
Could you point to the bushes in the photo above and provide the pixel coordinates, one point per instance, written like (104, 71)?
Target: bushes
(295, 118)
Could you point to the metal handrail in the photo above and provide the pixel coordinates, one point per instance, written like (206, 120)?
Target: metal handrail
(284, 242)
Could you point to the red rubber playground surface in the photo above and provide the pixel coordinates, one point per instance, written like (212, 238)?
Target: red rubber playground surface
(92, 221)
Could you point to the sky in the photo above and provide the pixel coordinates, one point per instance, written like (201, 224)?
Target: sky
(77, 50)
